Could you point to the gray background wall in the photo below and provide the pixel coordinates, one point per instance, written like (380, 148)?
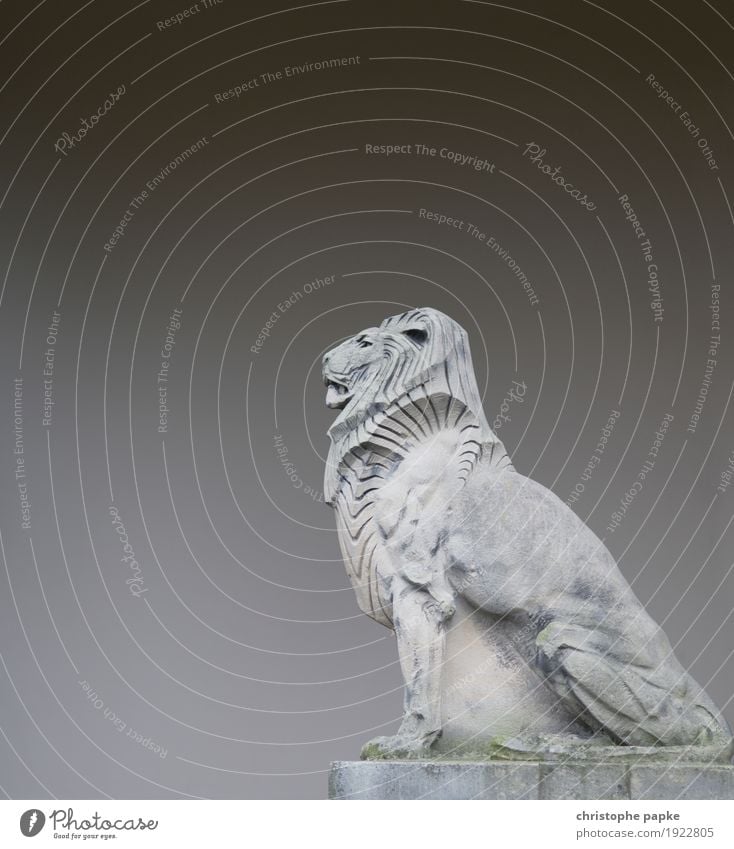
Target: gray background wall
(237, 664)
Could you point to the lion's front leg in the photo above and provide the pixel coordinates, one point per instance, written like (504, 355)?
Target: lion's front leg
(419, 627)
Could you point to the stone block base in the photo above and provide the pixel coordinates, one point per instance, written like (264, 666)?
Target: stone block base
(415, 779)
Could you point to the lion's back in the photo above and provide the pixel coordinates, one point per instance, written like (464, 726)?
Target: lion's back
(529, 551)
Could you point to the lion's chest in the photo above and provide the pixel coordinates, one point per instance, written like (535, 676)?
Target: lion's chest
(362, 545)
(389, 462)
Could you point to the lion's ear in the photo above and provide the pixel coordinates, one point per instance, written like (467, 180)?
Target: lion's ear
(417, 335)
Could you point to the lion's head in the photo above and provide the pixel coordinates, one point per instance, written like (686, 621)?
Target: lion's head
(374, 368)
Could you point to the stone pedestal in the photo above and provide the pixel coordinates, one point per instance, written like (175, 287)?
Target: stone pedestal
(433, 779)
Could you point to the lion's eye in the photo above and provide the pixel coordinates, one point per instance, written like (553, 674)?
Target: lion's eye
(364, 343)
(417, 334)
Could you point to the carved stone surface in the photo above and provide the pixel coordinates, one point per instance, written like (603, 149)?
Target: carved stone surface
(517, 634)
(412, 779)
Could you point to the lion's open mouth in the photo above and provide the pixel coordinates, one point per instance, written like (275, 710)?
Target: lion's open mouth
(337, 393)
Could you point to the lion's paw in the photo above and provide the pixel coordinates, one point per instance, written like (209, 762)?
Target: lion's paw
(398, 746)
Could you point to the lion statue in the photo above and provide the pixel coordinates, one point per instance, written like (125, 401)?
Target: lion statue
(515, 627)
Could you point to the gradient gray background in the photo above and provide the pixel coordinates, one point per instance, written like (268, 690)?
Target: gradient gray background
(247, 658)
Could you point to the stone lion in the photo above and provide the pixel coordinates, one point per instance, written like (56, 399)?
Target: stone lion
(514, 625)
